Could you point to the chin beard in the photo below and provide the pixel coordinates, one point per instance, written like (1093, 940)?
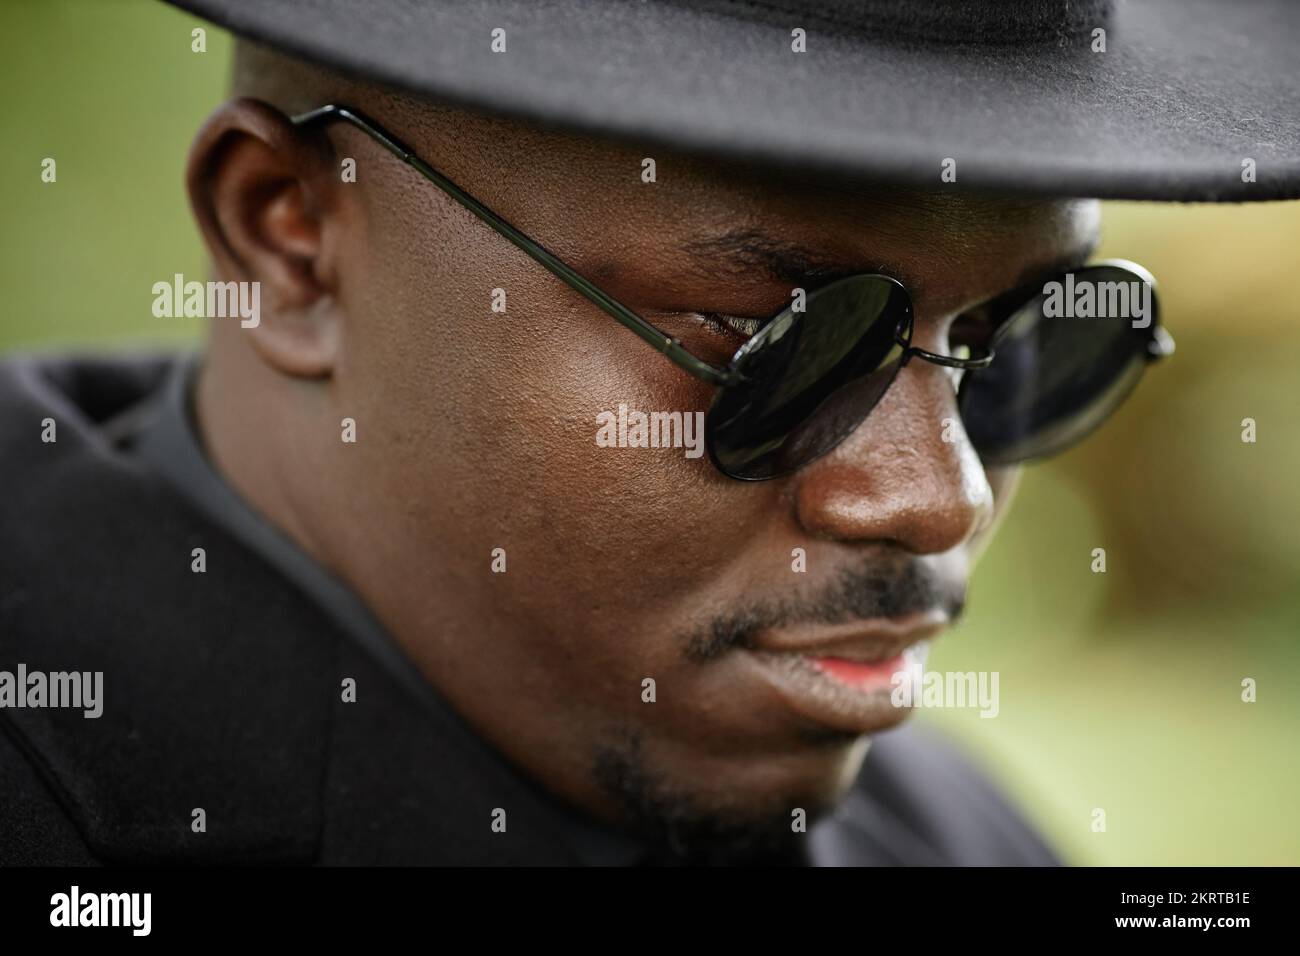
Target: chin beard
(680, 828)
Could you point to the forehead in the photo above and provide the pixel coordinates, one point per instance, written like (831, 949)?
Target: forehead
(685, 219)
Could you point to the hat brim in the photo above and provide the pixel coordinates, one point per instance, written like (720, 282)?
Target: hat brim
(1186, 92)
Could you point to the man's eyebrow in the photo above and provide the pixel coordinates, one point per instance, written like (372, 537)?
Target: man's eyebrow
(1033, 276)
(1076, 258)
(741, 252)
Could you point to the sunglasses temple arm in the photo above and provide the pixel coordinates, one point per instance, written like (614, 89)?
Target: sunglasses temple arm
(669, 346)
(1161, 344)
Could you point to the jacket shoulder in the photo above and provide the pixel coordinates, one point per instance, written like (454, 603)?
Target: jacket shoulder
(35, 829)
(215, 687)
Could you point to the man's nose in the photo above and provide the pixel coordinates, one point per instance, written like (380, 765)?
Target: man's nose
(907, 474)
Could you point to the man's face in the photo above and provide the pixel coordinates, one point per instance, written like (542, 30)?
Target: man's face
(477, 431)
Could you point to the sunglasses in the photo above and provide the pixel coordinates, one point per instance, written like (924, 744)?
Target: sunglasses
(1060, 356)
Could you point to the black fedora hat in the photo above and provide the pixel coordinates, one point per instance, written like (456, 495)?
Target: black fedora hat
(1140, 99)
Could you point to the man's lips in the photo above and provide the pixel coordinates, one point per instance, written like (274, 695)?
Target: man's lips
(864, 642)
(859, 675)
(842, 676)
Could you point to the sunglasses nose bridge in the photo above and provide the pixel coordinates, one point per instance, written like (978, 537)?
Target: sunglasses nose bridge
(982, 360)
(903, 333)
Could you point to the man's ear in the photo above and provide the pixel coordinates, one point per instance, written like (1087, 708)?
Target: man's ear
(260, 188)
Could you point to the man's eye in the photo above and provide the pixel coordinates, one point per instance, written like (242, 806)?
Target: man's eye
(972, 329)
(731, 324)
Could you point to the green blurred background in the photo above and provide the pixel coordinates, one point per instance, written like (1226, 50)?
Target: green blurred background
(1119, 691)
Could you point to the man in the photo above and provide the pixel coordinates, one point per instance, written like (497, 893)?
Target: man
(394, 572)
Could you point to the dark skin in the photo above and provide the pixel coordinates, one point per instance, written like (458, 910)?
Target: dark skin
(476, 429)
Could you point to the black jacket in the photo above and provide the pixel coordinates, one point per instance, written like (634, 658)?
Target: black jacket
(221, 690)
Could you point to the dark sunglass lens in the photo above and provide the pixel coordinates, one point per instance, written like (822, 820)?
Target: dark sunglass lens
(809, 378)
(1063, 363)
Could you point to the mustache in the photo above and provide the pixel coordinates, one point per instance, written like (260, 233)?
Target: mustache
(881, 589)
